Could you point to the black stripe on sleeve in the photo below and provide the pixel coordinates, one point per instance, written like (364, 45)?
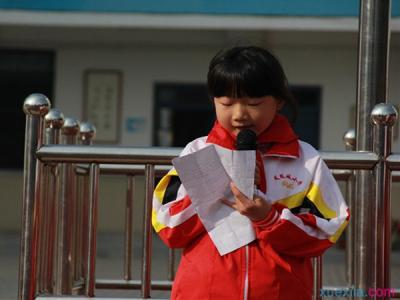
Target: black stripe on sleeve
(308, 207)
(172, 189)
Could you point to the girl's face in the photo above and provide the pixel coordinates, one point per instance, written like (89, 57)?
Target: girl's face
(235, 114)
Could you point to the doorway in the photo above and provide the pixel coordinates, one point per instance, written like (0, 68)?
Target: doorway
(183, 112)
(22, 72)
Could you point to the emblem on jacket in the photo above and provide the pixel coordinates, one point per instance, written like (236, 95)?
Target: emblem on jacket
(288, 181)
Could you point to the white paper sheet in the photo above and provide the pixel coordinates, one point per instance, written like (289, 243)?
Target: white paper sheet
(206, 175)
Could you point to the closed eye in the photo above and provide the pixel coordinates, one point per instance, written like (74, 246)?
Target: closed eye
(255, 103)
(226, 103)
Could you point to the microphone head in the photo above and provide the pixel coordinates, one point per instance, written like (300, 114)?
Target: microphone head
(246, 140)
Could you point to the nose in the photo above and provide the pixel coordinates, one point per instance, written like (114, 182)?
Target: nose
(239, 114)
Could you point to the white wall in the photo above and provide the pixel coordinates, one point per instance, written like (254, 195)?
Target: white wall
(332, 68)
(141, 68)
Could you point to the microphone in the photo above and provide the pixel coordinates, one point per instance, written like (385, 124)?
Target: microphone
(246, 140)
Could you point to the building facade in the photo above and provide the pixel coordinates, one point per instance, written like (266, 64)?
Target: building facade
(131, 67)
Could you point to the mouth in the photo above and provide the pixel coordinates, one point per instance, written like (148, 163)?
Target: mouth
(244, 127)
(240, 128)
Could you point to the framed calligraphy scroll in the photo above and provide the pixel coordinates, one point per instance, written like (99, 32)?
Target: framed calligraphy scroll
(102, 103)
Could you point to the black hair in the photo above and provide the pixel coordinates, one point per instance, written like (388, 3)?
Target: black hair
(249, 72)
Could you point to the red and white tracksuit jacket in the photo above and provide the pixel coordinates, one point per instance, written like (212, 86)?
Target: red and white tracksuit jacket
(307, 217)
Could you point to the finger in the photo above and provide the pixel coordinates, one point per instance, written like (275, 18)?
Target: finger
(236, 192)
(239, 195)
(258, 164)
(227, 202)
(257, 175)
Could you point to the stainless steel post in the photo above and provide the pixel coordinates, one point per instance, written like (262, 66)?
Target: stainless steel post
(373, 58)
(87, 133)
(371, 89)
(317, 267)
(350, 142)
(90, 281)
(129, 227)
(85, 225)
(65, 256)
(35, 107)
(384, 116)
(54, 120)
(171, 264)
(78, 231)
(147, 236)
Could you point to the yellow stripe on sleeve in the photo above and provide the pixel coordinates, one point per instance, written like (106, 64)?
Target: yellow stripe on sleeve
(294, 200)
(156, 224)
(314, 195)
(159, 192)
(161, 187)
(337, 234)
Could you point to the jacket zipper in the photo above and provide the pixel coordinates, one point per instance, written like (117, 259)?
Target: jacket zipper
(246, 278)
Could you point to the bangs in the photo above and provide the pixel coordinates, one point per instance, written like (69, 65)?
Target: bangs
(249, 72)
(239, 79)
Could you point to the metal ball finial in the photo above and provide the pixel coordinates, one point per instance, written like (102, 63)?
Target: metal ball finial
(54, 119)
(70, 127)
(87, 131)
(36, 104)
(384, 114)
(349, 137)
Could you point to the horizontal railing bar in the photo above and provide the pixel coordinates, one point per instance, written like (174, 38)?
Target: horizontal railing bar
(394, 162)
(78, 285)
(342, 175)
(132, 169)
(161, 285)
(364, 160)
(107, 154)
(123, 169)
(163, 156)
(350, 160)
(396, 176)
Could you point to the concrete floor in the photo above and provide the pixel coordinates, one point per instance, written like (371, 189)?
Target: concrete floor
(109, 265)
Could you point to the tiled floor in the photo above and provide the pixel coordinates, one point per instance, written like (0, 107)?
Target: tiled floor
(109, 265)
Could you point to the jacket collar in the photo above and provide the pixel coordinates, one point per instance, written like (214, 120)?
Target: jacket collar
(278, 139)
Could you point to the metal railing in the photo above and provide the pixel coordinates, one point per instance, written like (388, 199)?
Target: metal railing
(58, 248)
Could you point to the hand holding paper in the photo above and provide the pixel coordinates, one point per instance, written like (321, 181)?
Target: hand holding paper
(206, 175)
(255, 208)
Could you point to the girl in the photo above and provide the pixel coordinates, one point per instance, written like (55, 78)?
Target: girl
(297, 211)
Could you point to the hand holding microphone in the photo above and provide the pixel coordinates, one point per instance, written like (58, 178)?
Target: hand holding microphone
(257, 208)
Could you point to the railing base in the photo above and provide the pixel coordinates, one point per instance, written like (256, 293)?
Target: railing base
(161, 285)
(91, 298)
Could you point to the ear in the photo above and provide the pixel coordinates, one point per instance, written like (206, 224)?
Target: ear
(280, 104)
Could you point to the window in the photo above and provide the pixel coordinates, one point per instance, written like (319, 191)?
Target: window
(22, 72)
(183, 112)
(307, 125)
